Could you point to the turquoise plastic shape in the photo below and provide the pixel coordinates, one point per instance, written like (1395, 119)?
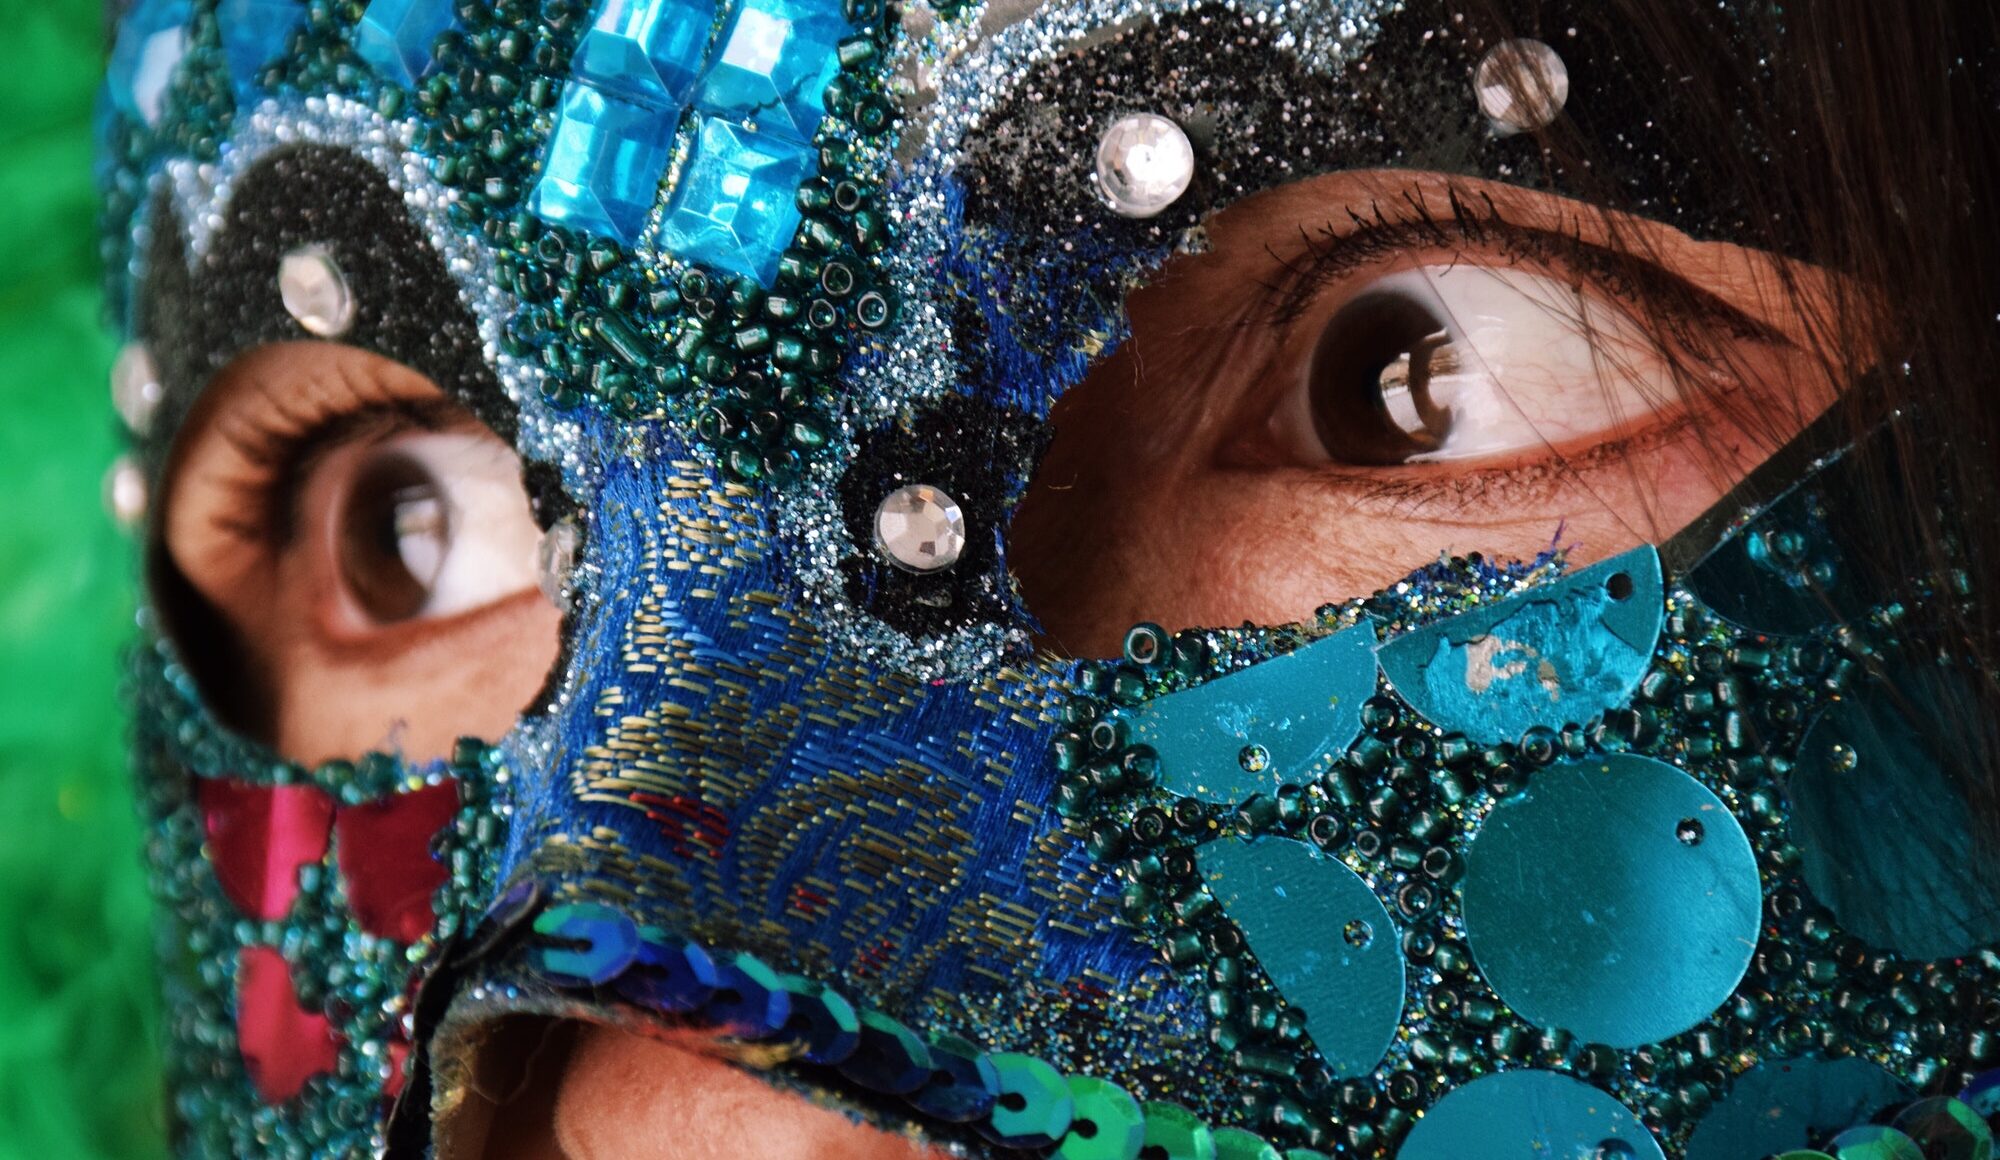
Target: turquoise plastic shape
(395, 37)
(1783, 1105)
(1879, 820)
(1107, 1123)
(605, 159)
(1322, 936)
(773, 63)
(152, 38)
(1946, 1129)
(1616, 899)
(649, 51)
(1035, 1107)
(1248, 732)
(1559, 654)
(255, 33)
(1874, 1142)
(1529, 1115)
(601, 942)
(736, 208)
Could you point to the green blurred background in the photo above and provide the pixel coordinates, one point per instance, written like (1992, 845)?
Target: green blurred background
(78, 1009)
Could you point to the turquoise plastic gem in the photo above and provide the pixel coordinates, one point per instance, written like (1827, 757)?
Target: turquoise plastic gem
(649, 51)
(1237, 1144)
(1034, 1108)
(750, 1002)
(395, 37)
(1561, 653)
(772, 65)
(1529, 1115)
(1874, 1142)
(255, 33)
(1107, 1124)
(604, 163)
(669, 974)
(1617, 899)
(735, 208)
(592, 943)
(1783, 1104)
(1787, 569)
(1322, 935)
(890, 1057)
(1301, 710)
(1982, 1095)
(822, 1020)
(1947, 1129)
(152, 38)
(1174, 1133)
(1879, 820)
(963, 1084)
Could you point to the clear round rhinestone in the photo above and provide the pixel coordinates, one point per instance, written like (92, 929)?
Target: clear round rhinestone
(135, 387)
(315, 291)
(555, 562)
(1521, 85)
(920, 528)
(1144, 162)
(125, 492)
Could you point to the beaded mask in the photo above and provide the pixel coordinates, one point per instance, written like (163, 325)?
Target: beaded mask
(773, 297)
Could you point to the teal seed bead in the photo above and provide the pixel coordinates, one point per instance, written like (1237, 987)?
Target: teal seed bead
(1034, 1108)
(1107, 1123)
(1237, 1144)
(1174, 1133)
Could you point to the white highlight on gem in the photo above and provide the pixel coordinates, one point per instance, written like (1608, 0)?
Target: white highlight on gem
(555, 562)
(757, 42)
(1521, 85)
(1144, 163)
(135, 387)
(158, 58)
(125, 492)
(920, 528)
(315, 291)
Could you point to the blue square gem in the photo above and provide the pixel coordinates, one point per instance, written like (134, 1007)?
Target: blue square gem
(773, 65)
(255, 33)
(735, 208)
(151, 41)
(605, 159)
(648, 51)
(395, 36)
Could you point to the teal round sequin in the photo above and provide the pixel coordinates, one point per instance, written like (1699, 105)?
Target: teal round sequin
(1237, 1144)
(1174, 1133)
(1875, 1142)
(1617, 899)
(1529, 1115)
(1034, 1108)
(1947, 1129)
(592, 943)
(1107, 1123)
(1784, 1104)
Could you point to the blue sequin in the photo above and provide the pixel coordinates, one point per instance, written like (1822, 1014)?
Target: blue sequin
(773, 64)
(649, 51)
(735, 208)
(1558, 654)
(604, 163)
(151, 41)
(1785, 1104)
(595, 943)
(395, 36)
(1617, 899)
(1529, 1115)
(1323, 937)
(255, 33)
(1250, 731)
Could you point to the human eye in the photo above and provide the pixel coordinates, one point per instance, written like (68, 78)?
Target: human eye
(340, 545)
(1364, 371)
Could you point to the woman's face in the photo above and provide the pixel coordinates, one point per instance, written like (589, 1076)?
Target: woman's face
(1360, 372)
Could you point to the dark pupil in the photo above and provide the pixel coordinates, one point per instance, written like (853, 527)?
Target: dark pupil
(392, 535)
(1367, 338)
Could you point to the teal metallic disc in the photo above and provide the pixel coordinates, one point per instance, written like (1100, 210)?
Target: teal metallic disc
(1107, 1123)
(1529, 1115)
(1879, 820)
(1174, 1133)
(1616, 899)
(1238, 1144)
(1559, 654)
(1034, 1108)
(1947, 1129)
(1784, 1104)
(1250, 731)
(1322, 936)
(1875, 1142)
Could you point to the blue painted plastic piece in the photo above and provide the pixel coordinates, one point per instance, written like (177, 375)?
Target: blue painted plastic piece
(594, 943)
(255, 33)
(890, 1057)
(395, 37)
(151, 41)
(750, 1002)
(1529, 1115)
(963, 1085)
(1559, 654)
(604, 163)
(735, 208)
(669, 974)
(1616, 899)
(772, 65)
(1253, 730)
(822, 1019)
(1782, 1105)
(648, 51)
(1322, 935)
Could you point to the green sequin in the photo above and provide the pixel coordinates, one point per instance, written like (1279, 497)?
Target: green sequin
(1034, 1108)
(1108, 1123)
(1178, 1133)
